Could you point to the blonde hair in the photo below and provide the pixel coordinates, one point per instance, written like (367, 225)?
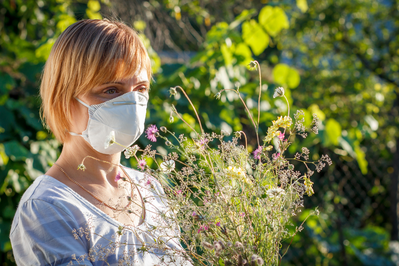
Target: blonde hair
(87, 54)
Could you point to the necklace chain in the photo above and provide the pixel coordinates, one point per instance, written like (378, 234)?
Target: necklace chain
(91, 194)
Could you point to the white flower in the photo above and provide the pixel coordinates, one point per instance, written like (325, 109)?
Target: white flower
(110, 140)
(131, 151)
(275, 192)
(168, 166)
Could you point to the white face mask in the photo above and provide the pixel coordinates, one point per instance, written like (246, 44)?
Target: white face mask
(125, 115)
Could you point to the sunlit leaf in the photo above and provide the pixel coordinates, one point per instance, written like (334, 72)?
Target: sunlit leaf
(333, 131)
(243, 53)
(302, 5)
(255, 36)
(286, 76)
(226, 53)
(361, 159)
(44, 50)
(273, 19)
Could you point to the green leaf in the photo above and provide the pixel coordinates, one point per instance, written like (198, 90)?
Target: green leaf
(361, 159)
(139, 25)
(94, 5)
(255, 36)
(226, 53)
(273, 19)
(65, 21)
(314, 109)
(44, 50)
(302, 5)
(15, 151)
(243, 53)
(286, 76)
(334, 131)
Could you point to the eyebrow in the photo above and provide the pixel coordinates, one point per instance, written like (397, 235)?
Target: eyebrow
(121, 83)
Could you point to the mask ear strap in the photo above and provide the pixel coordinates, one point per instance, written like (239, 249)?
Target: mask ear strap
(88, 106)
(75, 134)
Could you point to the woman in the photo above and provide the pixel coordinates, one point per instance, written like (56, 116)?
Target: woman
(94, 96)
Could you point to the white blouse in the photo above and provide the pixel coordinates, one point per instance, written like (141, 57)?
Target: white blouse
(54, 225)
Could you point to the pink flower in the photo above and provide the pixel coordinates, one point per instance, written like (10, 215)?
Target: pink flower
(117, 177)
(206, 227)
(194, 214)
(151, 132)
(256, 152)
(142, 164)
(242, 214)
(218, 224)
(148, 182)
(275, 156)
(281, 136)
(178, 192)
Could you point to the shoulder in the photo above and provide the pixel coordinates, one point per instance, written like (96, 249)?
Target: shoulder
(47, 195)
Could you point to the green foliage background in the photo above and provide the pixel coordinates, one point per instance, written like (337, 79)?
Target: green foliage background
(336, 58)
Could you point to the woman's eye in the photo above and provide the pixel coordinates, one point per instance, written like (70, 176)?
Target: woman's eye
(111, 91)
(142, 89)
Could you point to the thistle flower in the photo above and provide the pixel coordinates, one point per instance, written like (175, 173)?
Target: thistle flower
(110, 140)
(278, 92)
(151, 133)
(168, 166)
(131, 151)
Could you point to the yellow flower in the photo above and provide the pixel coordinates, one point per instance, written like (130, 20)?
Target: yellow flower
(237, 173)
(309, 186)
(273, 132)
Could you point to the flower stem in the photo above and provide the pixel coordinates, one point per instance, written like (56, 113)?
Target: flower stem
(249, 113)
(192, 105)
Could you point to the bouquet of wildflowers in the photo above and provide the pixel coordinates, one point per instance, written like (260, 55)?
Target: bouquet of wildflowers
(233, 207)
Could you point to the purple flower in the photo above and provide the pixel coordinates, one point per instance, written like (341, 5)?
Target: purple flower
(117, 177)
(218, 224)
(256, 152)
(201, 144)
(142, 164)
(281, 136)
(275, 156)
(194, 214)
(151, 133)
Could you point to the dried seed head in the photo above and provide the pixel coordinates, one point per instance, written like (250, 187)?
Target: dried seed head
(218, 95)
(163, 129)
(207, 245)
(238, 245)
(172, 91)
(278, 92)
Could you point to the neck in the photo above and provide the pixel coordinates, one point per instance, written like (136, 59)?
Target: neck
(100, 168)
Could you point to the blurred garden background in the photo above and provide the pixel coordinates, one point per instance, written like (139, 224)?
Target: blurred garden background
(336, 58)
